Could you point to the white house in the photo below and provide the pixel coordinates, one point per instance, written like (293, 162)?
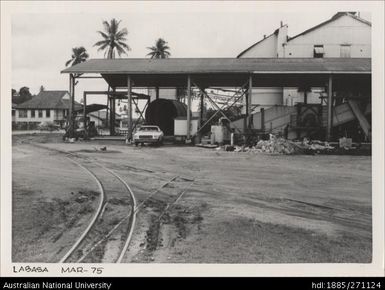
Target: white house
(13, 112)
(100, 118)
(343, 35)
(47, 106)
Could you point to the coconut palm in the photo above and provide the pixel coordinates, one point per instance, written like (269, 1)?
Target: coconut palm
(159, 50)
(113, 39)
(79, 55)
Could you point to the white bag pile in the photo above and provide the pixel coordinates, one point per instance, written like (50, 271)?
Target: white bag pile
(279, 145)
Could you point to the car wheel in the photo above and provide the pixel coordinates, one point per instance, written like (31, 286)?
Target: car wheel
(136, 144)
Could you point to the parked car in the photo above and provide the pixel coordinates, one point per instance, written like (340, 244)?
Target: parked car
(148, 134)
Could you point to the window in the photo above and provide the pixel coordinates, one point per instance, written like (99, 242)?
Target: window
(23, 114)
(47, 113)
(40, 113)
(13, 113)
(319, 51)
(345, 50)
(32, 113)
(64, 113)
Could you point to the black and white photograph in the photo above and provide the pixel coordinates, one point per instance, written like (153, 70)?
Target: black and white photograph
(186, 132)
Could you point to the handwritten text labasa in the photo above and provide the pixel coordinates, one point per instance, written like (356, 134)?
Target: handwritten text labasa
(57, 285)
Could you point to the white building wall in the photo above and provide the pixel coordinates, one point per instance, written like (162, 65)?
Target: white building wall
(29, 117)
(342, 31)
(60, 115)
(164, 93)
(266, 97)
(281, 40)
(266, 48)
(98, 122)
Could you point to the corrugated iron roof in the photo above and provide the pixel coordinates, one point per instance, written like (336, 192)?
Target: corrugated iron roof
(91, 108)
(258, 42)
(222, 65)
(102, 115)
(48, 100)
(336, 16)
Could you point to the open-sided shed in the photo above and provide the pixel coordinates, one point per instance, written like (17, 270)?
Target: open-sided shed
(246, 73)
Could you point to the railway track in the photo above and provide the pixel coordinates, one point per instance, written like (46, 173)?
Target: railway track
(155, 209)
(161, 199)
(115, 218)
(113, 221)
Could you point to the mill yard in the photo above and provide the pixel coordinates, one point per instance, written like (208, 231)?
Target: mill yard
(192, 205)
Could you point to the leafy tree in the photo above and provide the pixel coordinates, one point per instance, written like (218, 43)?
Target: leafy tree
(113, 39)
(79, 55)
(159, 50)
(21, 97)
(25, 93)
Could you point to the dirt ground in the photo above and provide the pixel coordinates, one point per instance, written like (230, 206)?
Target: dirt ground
(237, 207)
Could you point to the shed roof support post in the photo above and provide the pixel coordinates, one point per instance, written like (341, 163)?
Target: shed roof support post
(112, 112)
(70, 109)
(156, 92)
(85, 114)
(330, 107)
(71, 119)
(249, 98)
(247, 105)
(129, 108)
(202, 104)
(188, 106)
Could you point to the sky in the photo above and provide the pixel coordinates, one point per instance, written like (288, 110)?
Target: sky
(42, 41)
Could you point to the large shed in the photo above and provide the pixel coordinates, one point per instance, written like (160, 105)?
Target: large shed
(202, 73)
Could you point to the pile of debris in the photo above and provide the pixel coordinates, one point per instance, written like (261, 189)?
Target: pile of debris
(279, 145)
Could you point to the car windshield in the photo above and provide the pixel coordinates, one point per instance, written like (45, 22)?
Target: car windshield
(148, 128)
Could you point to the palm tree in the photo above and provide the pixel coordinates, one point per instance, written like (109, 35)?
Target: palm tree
(159, 50)
(113, 39)
(79, 55)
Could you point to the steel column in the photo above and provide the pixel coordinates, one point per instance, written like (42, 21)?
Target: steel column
(249, 98)
(72, 107)
(84, 114)
(112, 113)
(201, 109)
(129, 108)
(330, 107)
(247, 105)
(263, 119)
(188, 106)
(156, 93)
